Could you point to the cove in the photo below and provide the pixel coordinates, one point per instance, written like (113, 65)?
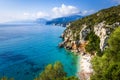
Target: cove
(26, 49)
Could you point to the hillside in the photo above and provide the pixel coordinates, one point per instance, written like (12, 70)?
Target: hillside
(101, 24)
(89, 37)
(110, 16)
(63, 21)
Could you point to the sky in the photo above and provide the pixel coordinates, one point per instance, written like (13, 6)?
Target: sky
(13, 10)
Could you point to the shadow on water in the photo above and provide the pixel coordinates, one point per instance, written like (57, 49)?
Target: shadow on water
(25, 66)
(11, 56)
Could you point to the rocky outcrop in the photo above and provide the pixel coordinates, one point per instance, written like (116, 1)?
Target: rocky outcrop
(78, 46)
(103, 31)
(84, 32)
(80, 33)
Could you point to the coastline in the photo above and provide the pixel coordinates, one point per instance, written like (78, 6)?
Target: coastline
(84, 66)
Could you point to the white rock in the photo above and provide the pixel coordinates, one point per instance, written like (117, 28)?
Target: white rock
(101, 32)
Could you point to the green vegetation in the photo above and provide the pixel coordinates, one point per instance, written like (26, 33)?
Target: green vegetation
(110, 16)
(114, 41)
(107, 67)
(5, 78)
(93, 44)
(54, 72)
(51, 72)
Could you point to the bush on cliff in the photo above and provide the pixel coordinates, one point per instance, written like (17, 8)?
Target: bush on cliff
(93, 44)
(107, 67)
(114, 41)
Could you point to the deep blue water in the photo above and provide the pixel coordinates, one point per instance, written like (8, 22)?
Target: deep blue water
(26, 50)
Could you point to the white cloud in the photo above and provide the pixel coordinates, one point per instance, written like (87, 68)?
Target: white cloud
(13, 17)
(118, 1)
(41, 15)
(64, 10)
(26, 14)
(55, 12)
(87, 12)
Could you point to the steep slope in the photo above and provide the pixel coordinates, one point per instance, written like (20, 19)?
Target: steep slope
(101, 24)
(88, 36)
(107, 67)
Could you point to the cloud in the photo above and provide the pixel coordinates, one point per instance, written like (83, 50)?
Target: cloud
(26, 14)
(64, 10)
(41, 15)
(14, 17)
(118, 1)
(61, 11)
(21, 16)
(35, 15)
(87, 12)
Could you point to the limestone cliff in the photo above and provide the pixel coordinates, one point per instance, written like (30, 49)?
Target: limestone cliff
(76, 36)
(101, 30)
(101, 23)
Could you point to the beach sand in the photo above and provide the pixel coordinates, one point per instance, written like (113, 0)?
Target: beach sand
(85, 67)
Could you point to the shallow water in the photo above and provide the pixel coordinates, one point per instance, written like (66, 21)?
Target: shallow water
(26, 49)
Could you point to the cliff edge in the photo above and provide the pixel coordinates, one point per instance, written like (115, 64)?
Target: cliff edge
(88, 37)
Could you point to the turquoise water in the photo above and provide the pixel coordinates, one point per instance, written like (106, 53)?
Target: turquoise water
(26, 49)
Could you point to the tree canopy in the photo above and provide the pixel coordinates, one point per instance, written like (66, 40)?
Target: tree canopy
(54, 72)
(107, 67)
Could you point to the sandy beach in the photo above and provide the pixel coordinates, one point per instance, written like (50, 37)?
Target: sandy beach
(85, 67)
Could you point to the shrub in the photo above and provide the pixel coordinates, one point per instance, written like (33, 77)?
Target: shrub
(93, 44)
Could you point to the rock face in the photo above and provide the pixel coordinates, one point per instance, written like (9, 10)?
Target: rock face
(84, 32)
(78, 46)
(78, 35)
(103, 31)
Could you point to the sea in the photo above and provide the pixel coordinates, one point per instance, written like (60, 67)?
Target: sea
(25, 50)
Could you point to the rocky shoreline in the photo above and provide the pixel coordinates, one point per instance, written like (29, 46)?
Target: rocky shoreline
(77, 46)
(89, 36)
(84, 64)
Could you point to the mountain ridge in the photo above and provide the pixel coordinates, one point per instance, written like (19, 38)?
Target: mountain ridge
(63, 21)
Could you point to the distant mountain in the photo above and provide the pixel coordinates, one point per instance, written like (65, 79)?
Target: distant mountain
(41, 20)
(63, 21)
